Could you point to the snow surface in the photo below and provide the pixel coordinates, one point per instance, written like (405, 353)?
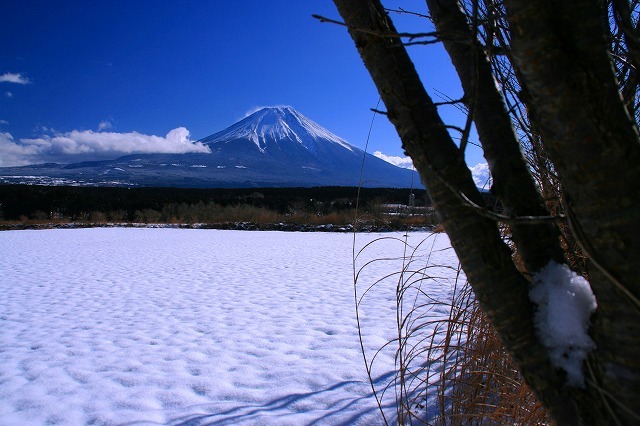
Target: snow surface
(565, 302)
(173, 326)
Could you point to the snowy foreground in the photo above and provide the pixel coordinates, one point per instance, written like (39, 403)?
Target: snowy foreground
(174, 326)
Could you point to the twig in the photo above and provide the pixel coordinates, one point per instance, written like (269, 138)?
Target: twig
(504, 218)
(410, 36)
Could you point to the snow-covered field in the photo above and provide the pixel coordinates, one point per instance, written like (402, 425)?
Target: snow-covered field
(176, 326)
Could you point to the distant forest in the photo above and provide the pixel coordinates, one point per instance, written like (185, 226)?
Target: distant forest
(31, 203)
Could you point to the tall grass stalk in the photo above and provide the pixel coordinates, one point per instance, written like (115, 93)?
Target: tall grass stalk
(450, 366)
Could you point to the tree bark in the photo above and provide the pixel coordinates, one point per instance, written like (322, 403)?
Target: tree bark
(500, 288)
(561, 52)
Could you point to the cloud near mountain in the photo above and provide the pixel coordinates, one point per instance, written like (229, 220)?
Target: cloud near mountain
(83, 145)
(480, 172)
(404, 162)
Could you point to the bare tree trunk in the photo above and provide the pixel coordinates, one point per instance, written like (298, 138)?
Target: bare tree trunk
(561, 54)
(500, 288)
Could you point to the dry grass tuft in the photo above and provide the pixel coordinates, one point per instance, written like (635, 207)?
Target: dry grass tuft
(485, 385)
(451, 367)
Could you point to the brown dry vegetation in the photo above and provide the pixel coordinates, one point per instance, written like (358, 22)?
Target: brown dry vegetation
(214, 215)
(453, 369)
(476, 381)
(485, 385)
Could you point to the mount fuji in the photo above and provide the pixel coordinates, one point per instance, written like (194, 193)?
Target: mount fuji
(273, 147)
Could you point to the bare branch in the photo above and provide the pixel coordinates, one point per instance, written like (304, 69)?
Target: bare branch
(389, 34)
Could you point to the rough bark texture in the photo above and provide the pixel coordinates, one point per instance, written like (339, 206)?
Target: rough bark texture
(500, 288)
(561, 52)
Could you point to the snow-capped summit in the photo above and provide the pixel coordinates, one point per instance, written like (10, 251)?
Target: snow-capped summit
(272, 124)
(285, 140)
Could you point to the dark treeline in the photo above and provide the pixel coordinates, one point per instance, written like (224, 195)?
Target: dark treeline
(20, 202)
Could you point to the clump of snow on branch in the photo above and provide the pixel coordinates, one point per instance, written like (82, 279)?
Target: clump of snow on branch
(565, 302)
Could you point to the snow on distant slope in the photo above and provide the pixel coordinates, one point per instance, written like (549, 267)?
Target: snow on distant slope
(277, 123)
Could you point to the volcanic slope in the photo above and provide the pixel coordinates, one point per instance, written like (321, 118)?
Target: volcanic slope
(273, 147)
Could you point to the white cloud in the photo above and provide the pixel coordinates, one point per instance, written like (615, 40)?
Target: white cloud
(4, 122)
(481, 175)
(9, 77)
(480, 172)
(104, 125)
(12, 153)
(86, 145)
(404, 162)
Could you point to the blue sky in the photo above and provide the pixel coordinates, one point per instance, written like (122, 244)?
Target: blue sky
(144, 68)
